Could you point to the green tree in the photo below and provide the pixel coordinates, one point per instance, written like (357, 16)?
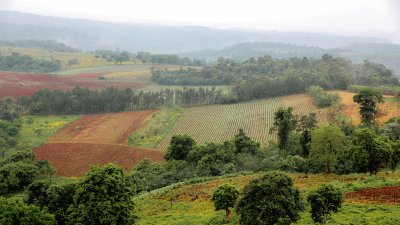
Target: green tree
(325, 145)
(367, 99)
(271, 199)
(37, 193)
(45, 169)
(180, 147)
(369, 150)
(284, 123)
(305, 126)
(244, 144)
(103, 197)
(14, 212)
(395, 156)
(59, 198)
(324, 201)
(224, 197)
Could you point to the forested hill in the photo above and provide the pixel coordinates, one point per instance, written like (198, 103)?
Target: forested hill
(267, 77)
(92, 35)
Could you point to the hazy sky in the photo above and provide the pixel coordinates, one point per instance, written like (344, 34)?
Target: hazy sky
(356, 17)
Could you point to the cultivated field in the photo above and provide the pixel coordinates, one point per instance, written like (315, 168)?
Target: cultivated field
(96, 140)
(75, 159)
(350, 109)
(112, 128)
(222, 122)
(190, 203)
(16, 84)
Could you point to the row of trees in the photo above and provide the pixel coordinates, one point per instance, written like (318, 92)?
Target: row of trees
(83, 100)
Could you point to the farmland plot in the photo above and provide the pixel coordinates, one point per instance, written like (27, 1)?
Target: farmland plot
(222, 122)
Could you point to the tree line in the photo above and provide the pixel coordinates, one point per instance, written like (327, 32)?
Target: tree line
(84, 101)
(18, 62)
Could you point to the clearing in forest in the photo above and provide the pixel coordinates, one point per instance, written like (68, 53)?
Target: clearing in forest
(112, 128)
(221, 122)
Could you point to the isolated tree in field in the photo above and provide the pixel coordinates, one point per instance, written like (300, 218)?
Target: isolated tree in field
(326, 143)
(305, 126)
(369, 150)
(224, 197)
(244, 144)
(103, 197)
(180, 147)
(367, 99)
(284, 123)
(271, 199)
(324, 201)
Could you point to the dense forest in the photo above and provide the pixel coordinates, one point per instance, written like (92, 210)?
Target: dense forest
(267, 77)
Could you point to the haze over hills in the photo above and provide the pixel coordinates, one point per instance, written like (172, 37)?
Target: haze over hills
(92, 35)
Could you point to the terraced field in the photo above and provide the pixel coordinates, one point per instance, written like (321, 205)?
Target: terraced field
(222, 122)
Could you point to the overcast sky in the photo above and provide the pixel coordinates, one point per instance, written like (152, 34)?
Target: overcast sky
(350, 17)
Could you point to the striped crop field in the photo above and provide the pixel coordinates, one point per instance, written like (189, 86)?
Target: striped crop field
(222, 122)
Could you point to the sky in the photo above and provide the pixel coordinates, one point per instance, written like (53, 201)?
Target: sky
(378, 18)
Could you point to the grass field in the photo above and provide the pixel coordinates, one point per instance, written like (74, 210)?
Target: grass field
(176, 205)
(84, 59)
(37, 129)
(222, 122)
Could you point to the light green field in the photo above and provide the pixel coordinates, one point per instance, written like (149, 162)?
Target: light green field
(37, 129)
(174, 205)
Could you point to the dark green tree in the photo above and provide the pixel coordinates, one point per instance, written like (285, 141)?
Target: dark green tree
(367, 99)
(284, 123)
(395, 156)
(305, 126)
(37, 193)
(369, 150)
(180, 147)
(244, 144)
(269, 200)
(59, 198)
(103, 197)
(324, 201)
(225, 197)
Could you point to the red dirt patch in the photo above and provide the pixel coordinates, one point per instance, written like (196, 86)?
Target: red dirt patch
(383, 195)
(75, 159)
(17, 84)
(102, 128)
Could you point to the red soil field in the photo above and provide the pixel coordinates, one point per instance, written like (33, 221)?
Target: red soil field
(16, 84)
(75, 159)
(383, 195)
(112, 128)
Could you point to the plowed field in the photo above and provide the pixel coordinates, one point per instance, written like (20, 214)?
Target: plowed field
(113, 128)
(75, 159)
(383, 195)
(16, 84)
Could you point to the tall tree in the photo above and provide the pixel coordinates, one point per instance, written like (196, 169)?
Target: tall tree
(284, 123)
(271, 199)
(224, 197)
(305, 126)
(326, 143)
(103, 197)
(367, 99)
(244, 144)
(180, 146)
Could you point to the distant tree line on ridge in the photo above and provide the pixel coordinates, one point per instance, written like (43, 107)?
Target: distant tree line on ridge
(18, 62)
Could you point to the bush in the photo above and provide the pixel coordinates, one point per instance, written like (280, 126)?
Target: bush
(321, 98)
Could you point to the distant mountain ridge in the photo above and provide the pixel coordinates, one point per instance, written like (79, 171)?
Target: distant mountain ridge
(92, 35)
